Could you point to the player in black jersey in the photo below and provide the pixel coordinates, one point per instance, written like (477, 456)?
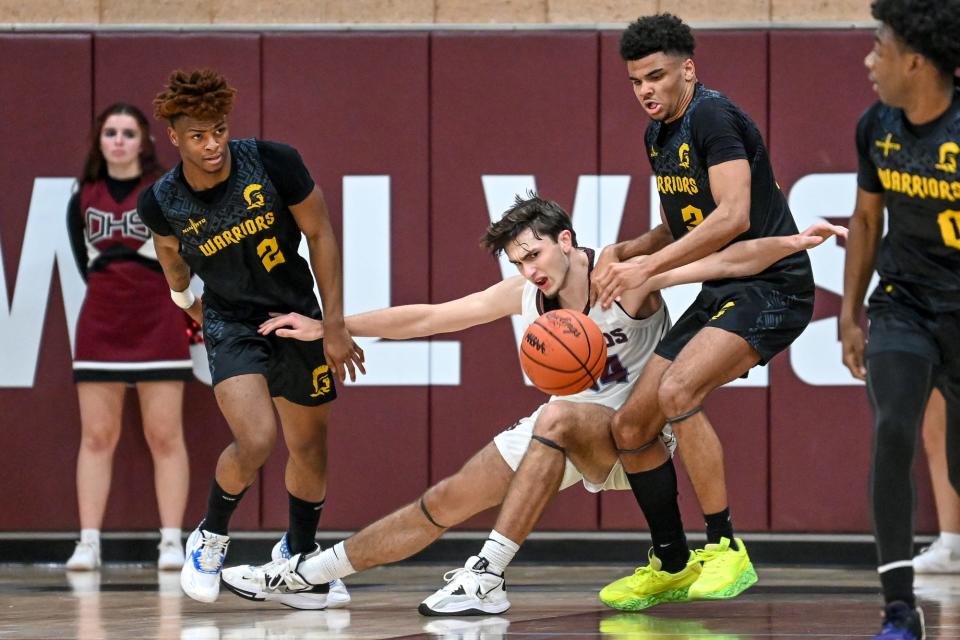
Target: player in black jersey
(716, 187)
(908, 145)
(232, 212)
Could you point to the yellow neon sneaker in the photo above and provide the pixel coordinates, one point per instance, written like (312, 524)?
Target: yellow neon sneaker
(726, 573)
(649, 585)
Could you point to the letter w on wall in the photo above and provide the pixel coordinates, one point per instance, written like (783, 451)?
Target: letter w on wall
(45, 240)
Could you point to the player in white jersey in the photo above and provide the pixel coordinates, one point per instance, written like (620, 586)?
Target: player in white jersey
(571, 434)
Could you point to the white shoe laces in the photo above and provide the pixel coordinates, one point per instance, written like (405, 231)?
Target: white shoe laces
(281, 575)
(212, 552)
(455, 577)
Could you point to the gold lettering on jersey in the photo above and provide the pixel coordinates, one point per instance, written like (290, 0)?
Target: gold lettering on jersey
(948, 157)
(321, 381)
(949, 222)
(194, 226)
(653, 152)
(922, 187)
(237, 233)
(692, 216)
(684, 153)
(270, 254)
(888, 145)
(254, 197)
(677, 184)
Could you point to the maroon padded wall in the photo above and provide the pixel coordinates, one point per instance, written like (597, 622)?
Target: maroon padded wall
(48, 78)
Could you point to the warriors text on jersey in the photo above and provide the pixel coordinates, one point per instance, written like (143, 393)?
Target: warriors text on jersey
(630, 342)
(713, 130)
(240, 236)
(915, 168)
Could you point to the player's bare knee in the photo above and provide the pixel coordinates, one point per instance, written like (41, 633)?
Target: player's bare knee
(675, 396)
(435, 505)
(254, 449)
(556, 424)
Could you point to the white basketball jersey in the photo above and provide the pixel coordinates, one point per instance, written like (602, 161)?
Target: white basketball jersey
(630, 342)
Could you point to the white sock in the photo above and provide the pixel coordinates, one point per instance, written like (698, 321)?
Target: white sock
(498, 550)
(90, 536)
(171, 534)
(950, 541)
(331, 564)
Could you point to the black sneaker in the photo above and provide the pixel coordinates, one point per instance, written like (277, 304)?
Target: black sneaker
(901, 622)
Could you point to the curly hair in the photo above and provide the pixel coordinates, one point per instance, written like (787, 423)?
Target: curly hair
(542, 217)
(928, 27)
(660, 32)
(95, 165)
(203, 94)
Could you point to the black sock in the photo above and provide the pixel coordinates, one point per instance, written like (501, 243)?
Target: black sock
(304, 518)
(898, 585)
(220, 506)
(656, 493)
(719, 526)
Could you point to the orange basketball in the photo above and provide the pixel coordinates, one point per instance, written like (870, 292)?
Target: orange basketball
(563, 352)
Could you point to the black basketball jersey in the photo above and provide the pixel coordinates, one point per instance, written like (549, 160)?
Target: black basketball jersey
(713, 130)
(916, 170)
(243, 245)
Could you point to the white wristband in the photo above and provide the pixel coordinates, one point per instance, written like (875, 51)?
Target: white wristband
(183, 299)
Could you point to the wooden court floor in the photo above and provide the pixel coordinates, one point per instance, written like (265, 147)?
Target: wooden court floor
(135, 602)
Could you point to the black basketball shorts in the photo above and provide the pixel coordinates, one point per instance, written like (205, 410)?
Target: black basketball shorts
(295, 370)
(898, 322)
(768, 319)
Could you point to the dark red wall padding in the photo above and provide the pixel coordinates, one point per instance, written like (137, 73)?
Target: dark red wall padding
(436, 112)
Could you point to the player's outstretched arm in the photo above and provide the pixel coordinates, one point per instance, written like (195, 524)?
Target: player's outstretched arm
(746, 257)
(413, 320)
(176, 271)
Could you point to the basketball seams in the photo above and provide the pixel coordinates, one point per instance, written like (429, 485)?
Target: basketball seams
(550, 369)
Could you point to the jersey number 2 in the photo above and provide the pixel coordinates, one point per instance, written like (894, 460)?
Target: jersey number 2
(270, 253)
(949, 222)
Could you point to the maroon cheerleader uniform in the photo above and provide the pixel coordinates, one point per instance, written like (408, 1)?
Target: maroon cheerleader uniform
(129, 330)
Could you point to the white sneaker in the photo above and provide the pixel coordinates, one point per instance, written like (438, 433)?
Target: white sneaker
(200, 575)
(171, 556)
(470, 591)
(337, 597)
(277, 580)
(86, 557)
(937, 558)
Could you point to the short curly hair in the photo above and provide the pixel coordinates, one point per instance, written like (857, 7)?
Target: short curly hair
(542, 217)
(203, 94)
(929, 27)
(660, 32)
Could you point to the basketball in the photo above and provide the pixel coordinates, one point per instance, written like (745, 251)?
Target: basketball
(563, 352)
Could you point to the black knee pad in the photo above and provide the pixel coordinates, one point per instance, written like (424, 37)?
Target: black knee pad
(426, 513)
(686, 414)
(641, 448)
(548, 442)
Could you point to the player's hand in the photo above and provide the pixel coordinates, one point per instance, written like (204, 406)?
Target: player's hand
(343, 354)
(854, 343)
(817, 233)
(606, 258)
(292, 325)
(617, 278)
